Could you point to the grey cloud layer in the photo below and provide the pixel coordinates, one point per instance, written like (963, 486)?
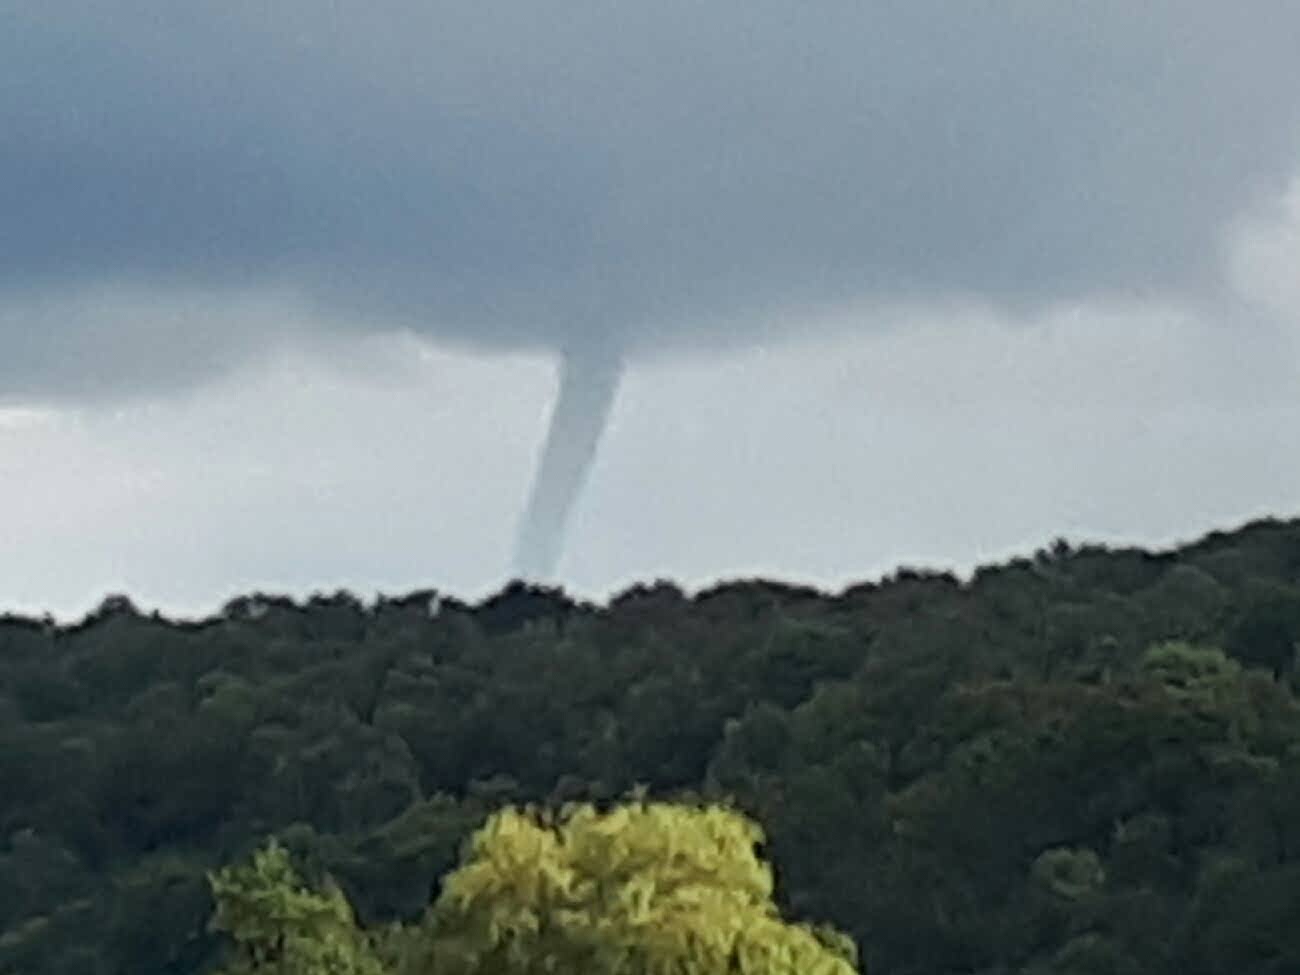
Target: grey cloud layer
(541, 175)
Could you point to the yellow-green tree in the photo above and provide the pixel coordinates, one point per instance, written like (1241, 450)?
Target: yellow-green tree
(282, 927)
(644, 889)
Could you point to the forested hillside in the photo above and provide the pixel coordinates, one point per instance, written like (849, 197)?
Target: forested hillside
(1087, 761)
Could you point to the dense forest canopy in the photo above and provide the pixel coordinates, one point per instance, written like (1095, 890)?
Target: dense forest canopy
(1084, 761)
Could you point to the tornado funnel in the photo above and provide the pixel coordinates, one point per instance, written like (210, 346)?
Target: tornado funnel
(588, 384)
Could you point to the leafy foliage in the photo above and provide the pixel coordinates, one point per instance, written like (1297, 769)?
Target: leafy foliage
(1084, 760)
(281, 927)
(638, 890)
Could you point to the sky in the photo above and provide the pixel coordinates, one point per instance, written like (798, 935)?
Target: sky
(283, 288)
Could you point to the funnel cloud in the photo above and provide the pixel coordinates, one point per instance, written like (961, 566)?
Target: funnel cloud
(588, 384)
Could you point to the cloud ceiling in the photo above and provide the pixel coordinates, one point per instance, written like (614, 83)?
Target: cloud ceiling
(642, 176)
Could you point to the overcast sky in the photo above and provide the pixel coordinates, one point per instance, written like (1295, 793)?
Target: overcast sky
(282, 287)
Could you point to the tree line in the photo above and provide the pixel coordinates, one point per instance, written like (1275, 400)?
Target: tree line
(1082, 761)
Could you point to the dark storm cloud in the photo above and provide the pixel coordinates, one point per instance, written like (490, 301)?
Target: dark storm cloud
(650, 175)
